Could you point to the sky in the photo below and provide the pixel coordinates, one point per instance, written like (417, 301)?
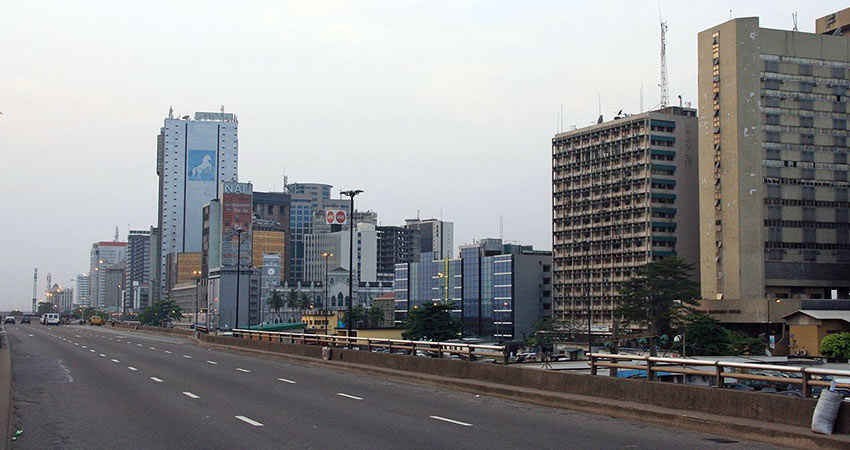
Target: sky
(437, 108)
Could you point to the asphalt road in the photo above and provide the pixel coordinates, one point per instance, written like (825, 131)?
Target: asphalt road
(92, 387)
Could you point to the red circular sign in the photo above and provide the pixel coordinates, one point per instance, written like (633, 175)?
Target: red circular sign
(340, 217)
(330, 217)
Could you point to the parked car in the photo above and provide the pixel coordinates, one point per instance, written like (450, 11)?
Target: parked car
(25, 319)
(9, 319)
(96, 320)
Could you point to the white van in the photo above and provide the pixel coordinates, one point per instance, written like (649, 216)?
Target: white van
(50, 319)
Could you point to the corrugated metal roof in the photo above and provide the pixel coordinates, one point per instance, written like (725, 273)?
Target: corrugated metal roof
(827, 314)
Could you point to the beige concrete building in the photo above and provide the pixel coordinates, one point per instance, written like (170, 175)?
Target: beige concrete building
(623, 194)
(773, 187)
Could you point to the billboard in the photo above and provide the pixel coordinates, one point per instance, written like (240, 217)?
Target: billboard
(200, 165)
(336, 217)
(236, 214)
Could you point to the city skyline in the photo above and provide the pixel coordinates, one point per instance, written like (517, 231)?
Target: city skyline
(454, 104)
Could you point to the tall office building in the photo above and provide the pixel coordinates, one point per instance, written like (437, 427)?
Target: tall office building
(271, 227)
(396, 245)
(104, 255)
(623, 194)
(435, 236)
(83, 287)
(193, 158)
(61, 297)
(497, 290)
(136, 279)
(310, 202)
(773, 163)
(338, 243)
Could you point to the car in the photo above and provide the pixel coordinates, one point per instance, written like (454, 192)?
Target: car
(25, 319)
(9, 319)
(96, 320)
(50, 319)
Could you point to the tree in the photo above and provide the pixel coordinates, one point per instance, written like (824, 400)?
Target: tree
(432, 322)
(660, 296)
(538, 338)
(836, 346)
(45, 307)
(705, 336)
(275, 301)
(359, 314)
(375, 317)
(160, 311)
(304, 302)
(292, 299)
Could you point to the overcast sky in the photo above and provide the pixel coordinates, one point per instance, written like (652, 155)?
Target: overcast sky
(446, 108)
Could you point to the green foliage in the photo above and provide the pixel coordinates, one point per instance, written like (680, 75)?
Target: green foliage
(275, 301)
(160, 311)
(45, 307)
(705, 336)
(359, 316)
(304, 301)
(660, 296)
(375, 317)
(365, 318)
(432, 322)
(536, 339)
(836, 346)
(292, 299)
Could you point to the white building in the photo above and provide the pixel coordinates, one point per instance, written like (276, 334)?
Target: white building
(82, 295)
(104, 255)
(366, 253)
(193, 158)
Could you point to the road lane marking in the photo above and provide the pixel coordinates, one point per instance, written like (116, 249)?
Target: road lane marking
(212, 362)
(168, 352)
(152, 348)
(132, 368)
(76, 343)
(139, 345)
(456, 422)
(30, 335)
(156, 379)
(190, 395)
(102, 355)
(348, 396)
(115, 361)
(243, 370)
(187, 356)
(286, 381)
(91, 350)
(249, 421)
(85, 346)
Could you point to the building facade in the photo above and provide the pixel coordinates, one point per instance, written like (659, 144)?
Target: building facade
(193, 158)
(337, 243)
(435, 236)
(396, 245)
(498, 291)
(82, 290)
(773, 185)
(137, 277)
(103, 255)
(62, 298)
(272, 212)
(310, 202)
(623, 194)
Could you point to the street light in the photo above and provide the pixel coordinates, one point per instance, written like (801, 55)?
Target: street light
(325, 304)
(196, 274)
(350, 194)
(239, 231)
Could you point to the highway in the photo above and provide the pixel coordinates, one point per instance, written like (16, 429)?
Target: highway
(93, 387)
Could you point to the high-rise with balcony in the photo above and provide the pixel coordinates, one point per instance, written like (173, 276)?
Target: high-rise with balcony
(193, 158)
(773, 163)
(623, 194)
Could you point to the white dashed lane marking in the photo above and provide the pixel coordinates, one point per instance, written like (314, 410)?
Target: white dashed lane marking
(187, 356)
(115, 361)
(286, 381)
(212, 362)
(132, 368)
(348, 396)
(156, 379)
(456, 422)
(249, 421)
(243, 370)
(190, 395)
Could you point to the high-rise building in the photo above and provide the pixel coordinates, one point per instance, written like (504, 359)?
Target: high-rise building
(271, 227)
(435, 236)
(497, 290)
(623, 194)
(193, 158)
(310, 203)
(113, 292)
(396, 245)
(82, 291)
(136, 279)
(773, 164)
(104, 255)
(61, 297)
(338, 243)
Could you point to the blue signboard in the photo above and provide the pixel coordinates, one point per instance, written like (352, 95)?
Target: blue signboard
(200, 165)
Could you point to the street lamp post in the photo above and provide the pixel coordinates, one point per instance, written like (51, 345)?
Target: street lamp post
(239, 231)
(325, 303)
(350, 194)
(196, 274)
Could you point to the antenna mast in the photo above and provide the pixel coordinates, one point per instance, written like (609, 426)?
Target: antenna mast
(665, 94)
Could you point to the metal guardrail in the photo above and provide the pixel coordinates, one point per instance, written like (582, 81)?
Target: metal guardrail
(806, 377)
(439, 349)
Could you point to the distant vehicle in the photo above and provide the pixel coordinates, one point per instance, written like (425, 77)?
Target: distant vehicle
(96, 320)
(50, 319)
(9, 319)
(25, 319)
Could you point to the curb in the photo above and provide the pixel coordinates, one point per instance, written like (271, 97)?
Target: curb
(5, 394)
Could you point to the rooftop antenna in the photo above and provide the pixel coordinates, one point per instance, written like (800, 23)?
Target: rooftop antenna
(641, 96)
(501, 226)
(665, 94)
(562, 118)
(170, 112)
(794, 18)
(599, 120)
(116, 234)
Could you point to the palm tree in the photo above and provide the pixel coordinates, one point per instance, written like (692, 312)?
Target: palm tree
(292, 301)
(275, 301)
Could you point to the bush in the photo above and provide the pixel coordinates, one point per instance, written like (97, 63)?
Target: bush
(836, 346)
